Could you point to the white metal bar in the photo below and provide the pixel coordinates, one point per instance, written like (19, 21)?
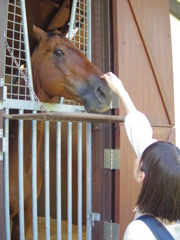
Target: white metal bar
(6, 178)
(88, 181)
(21, 178)
(73, 13)
(26, 41)
(89, 30)
(58, 179)
(69, 180)
(34, 178)
(46, 175)
(79, 181)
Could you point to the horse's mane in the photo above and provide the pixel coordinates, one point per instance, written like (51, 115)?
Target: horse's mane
(55, 32)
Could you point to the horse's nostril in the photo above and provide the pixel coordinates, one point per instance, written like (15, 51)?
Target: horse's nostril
(100, 94)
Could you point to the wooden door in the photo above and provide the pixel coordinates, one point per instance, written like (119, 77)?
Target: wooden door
(143, 61)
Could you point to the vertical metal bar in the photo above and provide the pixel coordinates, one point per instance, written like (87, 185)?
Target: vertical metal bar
(69, 174)
(58, 178)
(88, 141)
(79, 181)
(21, 178)
(2, 220)
(84, 28)
(34, 178)
(73, 13)
(6, 178)
(61, 100)
(26, 43)
(89, 30)
(20, 36)
(13, 33)
(88, 181)
(46, 175)
(79, 35)
(3, 15)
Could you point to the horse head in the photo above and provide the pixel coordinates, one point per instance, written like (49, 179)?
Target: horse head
(59, 68)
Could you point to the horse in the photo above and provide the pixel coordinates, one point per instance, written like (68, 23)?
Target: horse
(59, 69)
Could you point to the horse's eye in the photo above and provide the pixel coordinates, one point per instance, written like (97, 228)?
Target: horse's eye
(59, 53)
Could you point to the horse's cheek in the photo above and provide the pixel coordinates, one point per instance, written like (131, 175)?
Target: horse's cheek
(44, 71)
(61, 67)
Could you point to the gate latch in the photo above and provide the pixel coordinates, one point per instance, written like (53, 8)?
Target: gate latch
(94, 217)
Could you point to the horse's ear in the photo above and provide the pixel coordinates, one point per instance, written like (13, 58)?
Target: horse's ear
(39, 34)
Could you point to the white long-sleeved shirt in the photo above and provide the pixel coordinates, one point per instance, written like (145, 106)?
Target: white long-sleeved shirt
(140, 133)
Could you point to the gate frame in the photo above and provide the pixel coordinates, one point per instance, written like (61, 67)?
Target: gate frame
(2, 47)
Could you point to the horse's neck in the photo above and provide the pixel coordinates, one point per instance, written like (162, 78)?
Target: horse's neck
(41, 94)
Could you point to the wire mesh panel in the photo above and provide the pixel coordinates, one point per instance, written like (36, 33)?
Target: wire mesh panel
(80, 26)
(16, 87)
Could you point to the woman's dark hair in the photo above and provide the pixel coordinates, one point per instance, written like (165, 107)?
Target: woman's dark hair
(160, 193)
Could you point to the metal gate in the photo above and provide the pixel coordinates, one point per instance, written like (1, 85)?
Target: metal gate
(17, 57)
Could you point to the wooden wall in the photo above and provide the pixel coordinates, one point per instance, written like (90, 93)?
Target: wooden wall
(143, 61)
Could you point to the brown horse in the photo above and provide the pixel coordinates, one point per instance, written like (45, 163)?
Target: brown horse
(59, 68)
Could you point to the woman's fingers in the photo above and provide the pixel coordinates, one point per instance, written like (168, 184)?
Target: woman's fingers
(107, 79)
(113, 82)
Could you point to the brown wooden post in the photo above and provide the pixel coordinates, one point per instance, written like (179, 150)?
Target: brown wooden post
(3, 12)
(102, 179)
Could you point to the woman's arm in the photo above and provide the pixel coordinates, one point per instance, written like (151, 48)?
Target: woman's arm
(137, 126)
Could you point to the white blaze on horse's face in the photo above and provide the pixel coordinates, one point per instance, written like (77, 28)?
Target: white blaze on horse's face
(63, 70)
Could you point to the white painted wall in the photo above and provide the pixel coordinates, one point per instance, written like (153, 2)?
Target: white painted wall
(175, 38)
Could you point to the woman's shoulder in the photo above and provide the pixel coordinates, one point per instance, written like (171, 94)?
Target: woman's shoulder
(174, 229)
(138, 230)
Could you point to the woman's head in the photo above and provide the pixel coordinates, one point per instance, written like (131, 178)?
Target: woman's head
(160, 193)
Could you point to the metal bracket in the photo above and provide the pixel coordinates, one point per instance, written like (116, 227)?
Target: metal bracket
(111, 231)
(1, 82)
(1, 156)
(3, 92)
(1, 132)
(115, 101)
(112, 158)
(2, 142)
(94, 217)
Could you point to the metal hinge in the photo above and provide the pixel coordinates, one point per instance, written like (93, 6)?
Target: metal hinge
(111, 231)
(3, 92)
(1, 156)
(94, 217)
(112, 158)
(2, 143)
(1, 82)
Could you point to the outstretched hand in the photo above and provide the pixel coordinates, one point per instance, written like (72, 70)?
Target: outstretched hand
(116, 86)
(113, 82)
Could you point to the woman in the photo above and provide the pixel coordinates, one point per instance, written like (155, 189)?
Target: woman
(157, 169)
